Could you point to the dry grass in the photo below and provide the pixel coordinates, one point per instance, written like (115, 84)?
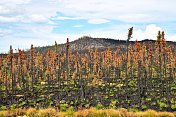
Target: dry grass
(31, 112)
(166, 114)
(50, 112)
(82, 113)
(13, 113)
(148, 113)
(174, 114)
(152, 113)
(92, 112)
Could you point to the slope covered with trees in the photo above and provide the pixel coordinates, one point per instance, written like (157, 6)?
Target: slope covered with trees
(140, 76)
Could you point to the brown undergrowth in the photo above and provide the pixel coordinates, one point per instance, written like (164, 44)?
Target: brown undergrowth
(92, 112)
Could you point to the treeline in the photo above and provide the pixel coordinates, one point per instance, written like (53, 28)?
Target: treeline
(143, 77)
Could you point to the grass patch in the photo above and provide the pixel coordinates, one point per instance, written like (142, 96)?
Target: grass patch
(92, 112)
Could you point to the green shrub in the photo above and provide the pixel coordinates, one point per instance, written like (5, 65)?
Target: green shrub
(113, 104)
(99, 106)
(63, 107)
(173, 107)
(70, 111)
(133, 110)
(3, 108)
(13, 106)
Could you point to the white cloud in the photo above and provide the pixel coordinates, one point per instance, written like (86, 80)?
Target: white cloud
(124, 10)
(171, 38)
(78, 26)
(150, 32)
(98, 21)
(4, 10)
(23, 19)
(4, 32)
(29, 11)
(38, 18)
(68, 18)
(136, 18)
(14, 1)
(120, 32)
(33, 19)
(9, 19)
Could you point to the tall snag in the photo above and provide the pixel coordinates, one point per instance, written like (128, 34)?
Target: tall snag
(130, 32)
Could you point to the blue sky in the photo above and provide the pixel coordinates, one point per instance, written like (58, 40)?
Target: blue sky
(41, 22)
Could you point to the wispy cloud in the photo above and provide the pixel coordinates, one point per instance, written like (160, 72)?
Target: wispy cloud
(98, 21)
(68, 18)
(4, 19)
(4, 32)
(78, 26)
(16, 2)
(38, 18)
(130, 11)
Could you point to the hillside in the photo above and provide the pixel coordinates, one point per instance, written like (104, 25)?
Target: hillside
(84, 43)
